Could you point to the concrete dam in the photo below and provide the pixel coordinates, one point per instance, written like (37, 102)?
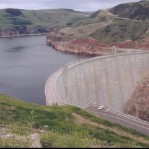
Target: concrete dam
(103, 80)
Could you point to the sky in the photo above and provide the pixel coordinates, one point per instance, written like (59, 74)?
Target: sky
(80, 5)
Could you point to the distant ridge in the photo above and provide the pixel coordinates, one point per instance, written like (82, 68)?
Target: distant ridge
(20, 21)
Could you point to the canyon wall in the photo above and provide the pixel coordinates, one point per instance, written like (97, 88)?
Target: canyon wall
(138, 104)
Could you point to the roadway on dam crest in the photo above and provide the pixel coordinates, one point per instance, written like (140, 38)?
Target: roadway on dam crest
(77, 84)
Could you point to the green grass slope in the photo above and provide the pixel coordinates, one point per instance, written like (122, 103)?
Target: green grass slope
(121, 30)
(52, 17)
(65, 126)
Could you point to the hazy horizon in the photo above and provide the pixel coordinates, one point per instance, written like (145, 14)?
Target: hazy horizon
(83, 5)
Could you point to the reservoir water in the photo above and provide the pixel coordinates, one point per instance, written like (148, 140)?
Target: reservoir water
(25, 65)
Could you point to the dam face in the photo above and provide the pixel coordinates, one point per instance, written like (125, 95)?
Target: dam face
(106, 80)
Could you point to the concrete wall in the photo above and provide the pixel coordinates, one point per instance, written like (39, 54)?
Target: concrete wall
(108, 80)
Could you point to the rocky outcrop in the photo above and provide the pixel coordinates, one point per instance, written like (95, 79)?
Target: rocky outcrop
(138, 11)
(138, 105)
(31, 141)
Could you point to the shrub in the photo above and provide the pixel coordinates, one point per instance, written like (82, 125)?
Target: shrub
(13, 12)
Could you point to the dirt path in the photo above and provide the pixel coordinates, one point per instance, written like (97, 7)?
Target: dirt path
(81, 120)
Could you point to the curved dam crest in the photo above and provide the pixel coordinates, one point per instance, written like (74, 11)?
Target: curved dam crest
(106, 80)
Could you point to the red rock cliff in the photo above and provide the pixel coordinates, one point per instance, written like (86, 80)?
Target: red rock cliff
(138, 105)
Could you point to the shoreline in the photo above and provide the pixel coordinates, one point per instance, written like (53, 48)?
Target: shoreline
(66, 49)
(23, 35)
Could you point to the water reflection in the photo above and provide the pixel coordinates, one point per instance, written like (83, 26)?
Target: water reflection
(15, 49)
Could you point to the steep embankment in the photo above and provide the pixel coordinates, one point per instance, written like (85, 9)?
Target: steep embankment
(19, 21)
(59, 126)
(106, 28)
(138, 105)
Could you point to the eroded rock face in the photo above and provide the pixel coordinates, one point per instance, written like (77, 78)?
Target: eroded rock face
(86, 45)
(138, 105)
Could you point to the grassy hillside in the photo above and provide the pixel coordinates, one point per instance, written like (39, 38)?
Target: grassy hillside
(52, 17)
(65, 126)
(130, 21)
(116, 25)
(121, 30)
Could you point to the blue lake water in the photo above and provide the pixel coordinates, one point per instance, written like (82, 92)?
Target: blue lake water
(25, 65)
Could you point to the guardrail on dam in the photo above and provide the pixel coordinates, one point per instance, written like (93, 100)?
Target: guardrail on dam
(106, 80)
